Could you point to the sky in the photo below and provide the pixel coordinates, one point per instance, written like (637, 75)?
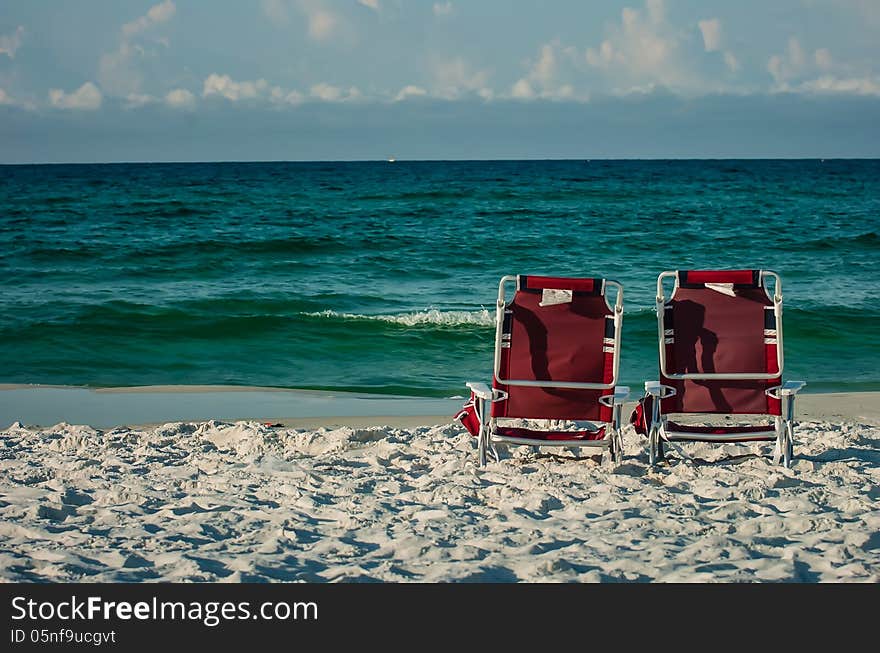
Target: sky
(190, 80)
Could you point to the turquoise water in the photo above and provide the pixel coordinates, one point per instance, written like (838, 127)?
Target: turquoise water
(381, 277)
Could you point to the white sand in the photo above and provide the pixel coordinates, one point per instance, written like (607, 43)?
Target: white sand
(244, 502)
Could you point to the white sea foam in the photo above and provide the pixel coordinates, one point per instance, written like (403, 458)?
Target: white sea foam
(430, 316)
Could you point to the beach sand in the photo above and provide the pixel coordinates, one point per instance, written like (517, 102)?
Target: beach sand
(401, 499)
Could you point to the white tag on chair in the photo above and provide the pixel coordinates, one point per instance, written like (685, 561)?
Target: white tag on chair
(551, 297)
(723, 288)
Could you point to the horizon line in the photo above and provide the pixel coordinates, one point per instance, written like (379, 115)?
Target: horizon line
(447, 160)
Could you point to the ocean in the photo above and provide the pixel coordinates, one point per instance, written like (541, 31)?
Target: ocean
(381, 277)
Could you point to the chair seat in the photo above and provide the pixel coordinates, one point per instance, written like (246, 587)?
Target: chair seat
(548, 436)
(736, 433)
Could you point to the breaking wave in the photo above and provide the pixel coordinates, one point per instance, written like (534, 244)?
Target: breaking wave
(431, 316)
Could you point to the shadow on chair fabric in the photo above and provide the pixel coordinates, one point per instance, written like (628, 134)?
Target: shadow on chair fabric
(721, 352)
(556, 359)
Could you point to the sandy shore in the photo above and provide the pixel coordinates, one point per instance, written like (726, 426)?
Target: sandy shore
(155, 405)
(303, 409)
(225, 501)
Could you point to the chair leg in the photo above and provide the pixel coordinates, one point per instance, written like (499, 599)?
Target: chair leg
(617, 447)
(656, 449)
(788, 445)
(780, 441)
(485, 431)
(655, 441)
(784, 450)
(616, 443)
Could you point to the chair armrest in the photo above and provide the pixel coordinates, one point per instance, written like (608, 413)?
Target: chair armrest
(657, 389)
(481, 390)
(620, 395)
(787, 389)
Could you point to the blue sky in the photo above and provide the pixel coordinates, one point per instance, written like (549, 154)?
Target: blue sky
(102, 80)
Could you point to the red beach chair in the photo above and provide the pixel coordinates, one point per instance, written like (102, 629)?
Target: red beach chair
(720, 341)
(557, 348)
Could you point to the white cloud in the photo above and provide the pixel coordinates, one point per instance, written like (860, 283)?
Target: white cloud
(225, 86)
(372, 4)
(87, 98)
(545, 67)
(326, 92)
(8, 100)
(442, 8)
(731, 61)
(180, 98)
(795, 53)
(410, 91)
(823, 58)
(138, 100)
(322, 23)
(851, 85)
(9, 43)
(160, 13)
(279, 96)
(789, 65)
(455, 77)
(642, 50)
(544, 78)
(711, 30)
(656, 10)
(522, 90)
(602, 56)
(774, 67)
(791, 68)
(795, 71)
(118, 71)
(330, 93)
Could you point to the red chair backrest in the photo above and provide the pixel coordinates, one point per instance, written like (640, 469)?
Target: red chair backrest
(568, 341)
(728, 328)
